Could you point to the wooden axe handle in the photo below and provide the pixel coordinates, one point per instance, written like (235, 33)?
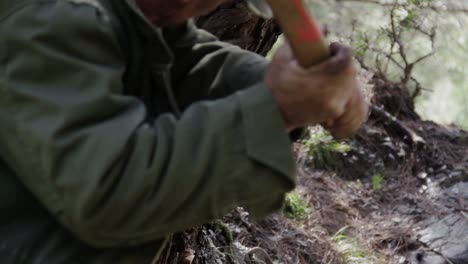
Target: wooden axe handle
(301, 30)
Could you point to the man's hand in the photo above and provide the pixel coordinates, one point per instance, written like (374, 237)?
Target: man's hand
(327, 93)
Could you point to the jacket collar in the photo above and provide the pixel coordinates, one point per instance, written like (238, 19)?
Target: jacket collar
(167, 58)
(137, 11)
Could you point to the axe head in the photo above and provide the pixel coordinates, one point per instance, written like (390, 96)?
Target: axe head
(260, 7)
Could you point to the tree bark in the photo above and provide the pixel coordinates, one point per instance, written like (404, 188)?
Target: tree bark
(232, 22)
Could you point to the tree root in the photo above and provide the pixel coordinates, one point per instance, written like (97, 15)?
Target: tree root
(397, 126)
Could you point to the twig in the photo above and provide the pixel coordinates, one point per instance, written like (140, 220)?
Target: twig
(450, 9)
(261, 252)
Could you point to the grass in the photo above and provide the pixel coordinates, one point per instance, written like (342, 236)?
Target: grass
(322, 148)
(377, 181)
(351, 250)
(295, 207)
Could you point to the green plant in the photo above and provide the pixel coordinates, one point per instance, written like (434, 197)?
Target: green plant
(322, 148)
(295, 207)
(377, 181)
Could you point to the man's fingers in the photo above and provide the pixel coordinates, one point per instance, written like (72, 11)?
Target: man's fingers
(341, 58)
(351, 121)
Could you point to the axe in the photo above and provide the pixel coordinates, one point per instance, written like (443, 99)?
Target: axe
(299, 26)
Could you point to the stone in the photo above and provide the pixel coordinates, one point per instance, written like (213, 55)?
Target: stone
(458, 190)
(426, 258)
(448, 237)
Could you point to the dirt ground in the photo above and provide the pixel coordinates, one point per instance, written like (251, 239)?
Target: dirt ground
(398, 194)
(418, 214)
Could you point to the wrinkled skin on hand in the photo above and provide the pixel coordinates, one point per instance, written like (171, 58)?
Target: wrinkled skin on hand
(327, 93)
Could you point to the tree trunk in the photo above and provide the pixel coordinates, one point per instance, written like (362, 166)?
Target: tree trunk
(232, 22)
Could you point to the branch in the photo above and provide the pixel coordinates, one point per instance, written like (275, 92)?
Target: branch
(436, 8)
(424, 57)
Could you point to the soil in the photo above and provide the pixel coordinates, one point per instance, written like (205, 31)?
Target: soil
(417, 214)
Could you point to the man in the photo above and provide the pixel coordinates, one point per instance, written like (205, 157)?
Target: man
(121, 124)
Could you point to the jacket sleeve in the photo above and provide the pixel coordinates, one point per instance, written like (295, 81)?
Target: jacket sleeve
(220, 68)
(86, 152)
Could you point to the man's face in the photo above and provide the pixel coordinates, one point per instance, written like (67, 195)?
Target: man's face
(166, 12)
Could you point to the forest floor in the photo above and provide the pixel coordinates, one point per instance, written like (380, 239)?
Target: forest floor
(387, 202)
(397, 193)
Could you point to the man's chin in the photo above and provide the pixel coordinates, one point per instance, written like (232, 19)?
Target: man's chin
(168, 21)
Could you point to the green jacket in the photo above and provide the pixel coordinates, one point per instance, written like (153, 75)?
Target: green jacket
(125, 133)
